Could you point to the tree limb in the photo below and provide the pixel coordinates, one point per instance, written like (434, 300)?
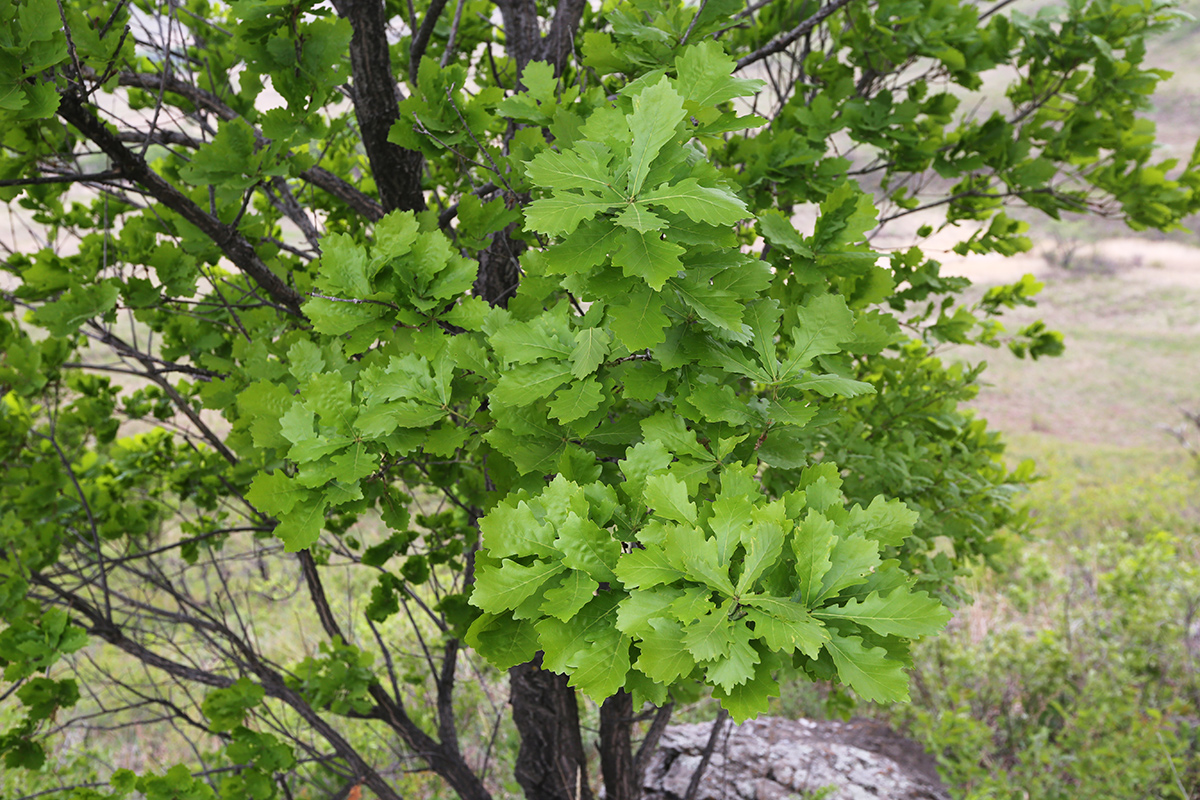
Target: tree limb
(795, 33)
(397, 171)
(235, 246)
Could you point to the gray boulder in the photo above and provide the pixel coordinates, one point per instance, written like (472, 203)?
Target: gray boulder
(773, 759)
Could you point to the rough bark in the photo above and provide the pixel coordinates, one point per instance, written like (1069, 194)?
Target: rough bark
(550, 762)
(397, 171)
(616, 748)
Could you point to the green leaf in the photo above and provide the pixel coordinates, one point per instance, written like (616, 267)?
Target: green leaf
(710, 637)
(868, 671)
(718, 307)
(589, 245)
(664, 658)
(779, 231)
(64, 316)
(591, 348)
(668, 497)
(645, 569)
(853, 559)
(343, 267)
(639, 218)
(706, 75)
(737, 666)
(509, 531)
(275, 493)
(576, 591)
(576, 400)
(588, 548)
(901, 613)
(888, 522)
(584, 167)
(502, 589)
(301, 527)
(764, 543)
(812, 545)
(600, 671)
(638, 608)
(699, 203)
(825, 321)
(502, 640)
(785, 626)
(657, 112)
(526, 342)
(832, 385)
(639, 319)
(649, 257)
(562, 213)
(530, 382)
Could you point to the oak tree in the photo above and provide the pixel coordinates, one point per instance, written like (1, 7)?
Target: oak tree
(354, 355)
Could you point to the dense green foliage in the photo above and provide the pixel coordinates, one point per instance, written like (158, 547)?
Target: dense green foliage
(1086, 682)
(536, 355)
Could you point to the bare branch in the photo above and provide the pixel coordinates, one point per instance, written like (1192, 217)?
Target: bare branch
(235, 246)
(781, 43)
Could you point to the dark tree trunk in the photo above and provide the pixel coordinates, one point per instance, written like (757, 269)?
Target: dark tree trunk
(616, 749)
(550, 763)
(499, 269)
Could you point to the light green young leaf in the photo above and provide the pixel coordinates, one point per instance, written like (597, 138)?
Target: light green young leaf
(699, 203)
(764, 543)
(710, 637)
(657, 112)
(588, 548)
(275, 493)
(639, 218)
(646, 568)
(853, 560)
(868, 671)
(600, 670)
(639, 320)
(503, 640)
(529, 383)
(825, 321)
(562, 213)
(638, 608)
(664, 657)
(576, 591)
(509, 531)
(785, 626)
(584, 167)
(812, 543)
(502, 589)
(591, 348)
(668, 497)
(706, 75)
(888, 522)
(901, 613)
(301, 527)
(646, 256)
(576, 400)
(737, 666)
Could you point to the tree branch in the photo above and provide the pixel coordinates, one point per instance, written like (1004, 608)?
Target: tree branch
(420, 40)
(795, 33)
(397, 171)
(317, 176)
(235, 246)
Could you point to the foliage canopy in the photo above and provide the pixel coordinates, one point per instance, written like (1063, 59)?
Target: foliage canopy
(501, 320)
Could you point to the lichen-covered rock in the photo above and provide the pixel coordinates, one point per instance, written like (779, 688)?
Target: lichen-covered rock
(773, 759)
